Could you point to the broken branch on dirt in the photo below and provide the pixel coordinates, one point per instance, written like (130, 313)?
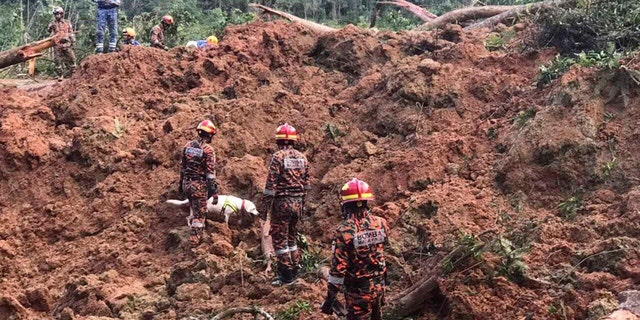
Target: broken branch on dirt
(26, 52)
(256, 311)
(314, 26)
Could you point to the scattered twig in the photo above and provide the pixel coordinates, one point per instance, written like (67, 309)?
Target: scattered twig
(252, 310)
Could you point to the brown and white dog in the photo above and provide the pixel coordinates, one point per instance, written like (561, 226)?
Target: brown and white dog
(227, 205)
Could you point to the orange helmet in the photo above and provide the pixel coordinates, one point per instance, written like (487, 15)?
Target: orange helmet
(286, 132)
(167, 19)
(355, 190)
(207, 126)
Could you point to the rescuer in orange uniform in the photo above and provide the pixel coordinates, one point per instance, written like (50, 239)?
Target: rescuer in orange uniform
(358, 267)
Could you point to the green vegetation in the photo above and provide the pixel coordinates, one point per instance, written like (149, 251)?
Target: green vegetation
(294, 311)
(333, 132)
(570, 207)
(524, 116)
(511, 264)
(608, 168)
(593, 26)
(554, 69)
(497, 41)
(468, 246)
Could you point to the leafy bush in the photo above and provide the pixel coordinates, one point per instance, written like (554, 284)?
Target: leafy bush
(554, 69)
(592, 26)
(511, 264)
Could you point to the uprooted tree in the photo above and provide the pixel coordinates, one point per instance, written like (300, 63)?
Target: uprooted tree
(481, 16)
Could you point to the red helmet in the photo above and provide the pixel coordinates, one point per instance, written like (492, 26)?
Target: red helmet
(168, 20)
(355, 190)
(207, 126)
(286, 132)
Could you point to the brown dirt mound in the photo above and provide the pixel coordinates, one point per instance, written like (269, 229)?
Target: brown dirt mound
(430, 119)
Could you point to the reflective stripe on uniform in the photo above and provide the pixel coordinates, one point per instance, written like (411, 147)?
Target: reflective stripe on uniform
(269, 192)
(197, 223)
(282, 251)
(336, 280)
(294, 248)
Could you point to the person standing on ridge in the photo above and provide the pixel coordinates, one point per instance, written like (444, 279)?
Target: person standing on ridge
(63, 54)
(157, 32)
(107, 16)
(198, 177)
(284, 193)
(358, 266)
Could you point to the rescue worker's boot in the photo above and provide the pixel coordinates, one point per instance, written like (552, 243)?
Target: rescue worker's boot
(285, 276)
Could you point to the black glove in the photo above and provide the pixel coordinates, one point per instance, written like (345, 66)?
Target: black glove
(327, 307)
(212, 189)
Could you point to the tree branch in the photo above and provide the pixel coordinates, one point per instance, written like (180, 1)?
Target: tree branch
(252, 310)
(418, 11)
(531, 8)
(465, 14)
(319, 28)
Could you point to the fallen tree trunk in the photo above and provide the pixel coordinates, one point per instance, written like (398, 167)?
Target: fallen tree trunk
(319, 28)
(531, 8)
(412, 299)
(465, 14)
(418, 11)
(26, 52)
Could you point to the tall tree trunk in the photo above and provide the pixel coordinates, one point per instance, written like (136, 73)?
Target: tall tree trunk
(374, 15)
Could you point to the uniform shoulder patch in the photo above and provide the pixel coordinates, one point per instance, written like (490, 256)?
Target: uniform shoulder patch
(193, 152)
(369, 237)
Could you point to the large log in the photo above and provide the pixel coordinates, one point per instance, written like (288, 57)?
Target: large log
(465, 14)
(418, 11)
(319, 28)
(26, 52)
(531, 8)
